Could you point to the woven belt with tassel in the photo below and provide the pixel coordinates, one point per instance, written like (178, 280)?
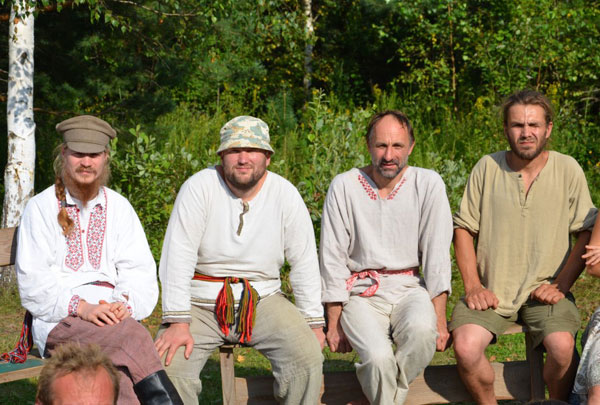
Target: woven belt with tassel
(224, 306)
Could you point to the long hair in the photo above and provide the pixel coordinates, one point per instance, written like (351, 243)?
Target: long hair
(64, 221)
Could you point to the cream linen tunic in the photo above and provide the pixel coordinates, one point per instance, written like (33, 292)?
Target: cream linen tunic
(412, 227)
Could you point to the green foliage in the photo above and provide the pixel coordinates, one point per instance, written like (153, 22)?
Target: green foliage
(136, 166)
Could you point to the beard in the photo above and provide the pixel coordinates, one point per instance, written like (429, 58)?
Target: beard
(243, 183)
(528, 154)
(389, 173)
(85, 191)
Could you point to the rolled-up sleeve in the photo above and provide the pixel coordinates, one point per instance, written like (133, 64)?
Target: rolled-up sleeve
(469, 213)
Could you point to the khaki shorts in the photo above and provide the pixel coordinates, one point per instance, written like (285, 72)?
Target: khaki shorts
(541, 319)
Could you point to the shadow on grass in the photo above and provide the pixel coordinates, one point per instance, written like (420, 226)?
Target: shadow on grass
(20, 392)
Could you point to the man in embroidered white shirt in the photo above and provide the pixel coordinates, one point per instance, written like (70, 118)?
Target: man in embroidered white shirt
(84, 268)
(380, 224)
(231, 228)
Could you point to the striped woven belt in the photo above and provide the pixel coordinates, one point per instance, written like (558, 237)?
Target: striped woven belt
(224, 306)
(374, 275)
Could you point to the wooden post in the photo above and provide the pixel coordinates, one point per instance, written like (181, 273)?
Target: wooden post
(535, 358)
(227, 374)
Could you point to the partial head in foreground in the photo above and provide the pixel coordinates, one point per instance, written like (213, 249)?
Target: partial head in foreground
(81, 375)
(527, 117)
(245, 153)
(390, 140)
(82, 163)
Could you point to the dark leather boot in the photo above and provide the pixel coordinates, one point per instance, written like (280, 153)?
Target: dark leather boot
(157, 389)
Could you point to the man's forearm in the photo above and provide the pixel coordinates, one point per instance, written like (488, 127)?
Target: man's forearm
(334, 312)
(574, 265)
(466, 258)
(439, 305)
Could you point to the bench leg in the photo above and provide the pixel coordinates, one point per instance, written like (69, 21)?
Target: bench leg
(535, 359)
(227, 375)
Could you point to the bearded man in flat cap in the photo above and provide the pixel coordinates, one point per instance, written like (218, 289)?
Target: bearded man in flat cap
(84, 268)
(231, 229)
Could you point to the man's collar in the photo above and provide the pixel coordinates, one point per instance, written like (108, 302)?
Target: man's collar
(99, 199)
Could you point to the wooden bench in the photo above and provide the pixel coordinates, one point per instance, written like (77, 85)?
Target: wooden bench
(33, 366)
(519, 380)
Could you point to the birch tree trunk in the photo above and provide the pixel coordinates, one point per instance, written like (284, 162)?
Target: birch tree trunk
(309, 37)
(19, 172)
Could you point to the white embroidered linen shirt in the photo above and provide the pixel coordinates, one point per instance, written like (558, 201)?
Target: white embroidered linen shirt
(52, 269)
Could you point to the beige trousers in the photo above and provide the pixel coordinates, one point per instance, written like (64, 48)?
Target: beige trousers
(372, 326)
(280, 333)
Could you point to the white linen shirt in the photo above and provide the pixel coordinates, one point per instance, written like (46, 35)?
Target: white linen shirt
(412, 227)
(202, 237)
(47, 284)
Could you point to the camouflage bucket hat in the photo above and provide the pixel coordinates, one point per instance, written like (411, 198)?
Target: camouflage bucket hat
(245, 132)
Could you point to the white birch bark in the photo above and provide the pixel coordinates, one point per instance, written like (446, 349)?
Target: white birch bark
(309, 37)
(19, 172)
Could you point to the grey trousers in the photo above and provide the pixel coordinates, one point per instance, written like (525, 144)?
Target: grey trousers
(372, 326)
(280, 333)
(128, 345)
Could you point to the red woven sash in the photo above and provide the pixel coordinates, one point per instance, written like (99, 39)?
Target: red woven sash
(373, 274)
(19, 354)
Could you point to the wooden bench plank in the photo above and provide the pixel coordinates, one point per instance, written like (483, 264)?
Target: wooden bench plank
(437, 385)
(8, 246)
(13, 372)
(519, 380)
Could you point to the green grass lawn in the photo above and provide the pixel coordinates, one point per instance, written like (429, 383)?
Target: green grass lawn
(250, 362)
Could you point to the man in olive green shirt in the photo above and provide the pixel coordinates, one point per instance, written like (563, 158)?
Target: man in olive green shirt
(522, 206)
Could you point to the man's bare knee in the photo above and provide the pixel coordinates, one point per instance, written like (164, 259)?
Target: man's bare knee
(560, 346)
(470, 342)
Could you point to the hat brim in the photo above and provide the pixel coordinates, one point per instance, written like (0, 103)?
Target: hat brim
(244, 143)
(85, 147)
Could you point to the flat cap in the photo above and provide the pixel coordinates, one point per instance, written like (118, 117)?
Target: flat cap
(245, 132)
(86, 133)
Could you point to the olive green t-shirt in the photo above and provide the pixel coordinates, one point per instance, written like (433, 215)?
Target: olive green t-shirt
(523, 239)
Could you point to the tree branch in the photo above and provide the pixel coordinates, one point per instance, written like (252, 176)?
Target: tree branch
(133, 3)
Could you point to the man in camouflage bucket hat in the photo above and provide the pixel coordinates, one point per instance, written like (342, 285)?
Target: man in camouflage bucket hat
(245, 132)
(231, 229)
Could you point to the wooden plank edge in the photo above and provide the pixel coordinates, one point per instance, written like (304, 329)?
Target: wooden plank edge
(439, 384)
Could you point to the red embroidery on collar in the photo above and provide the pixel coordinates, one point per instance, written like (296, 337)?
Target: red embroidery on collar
(367, 187)
(393, 193)
(94, 240)
(372, 194)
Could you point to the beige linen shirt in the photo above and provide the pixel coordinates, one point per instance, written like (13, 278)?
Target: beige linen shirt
(523, 239)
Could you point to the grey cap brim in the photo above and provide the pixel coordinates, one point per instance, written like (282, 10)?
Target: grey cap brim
(84, 147)
(86, 140)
